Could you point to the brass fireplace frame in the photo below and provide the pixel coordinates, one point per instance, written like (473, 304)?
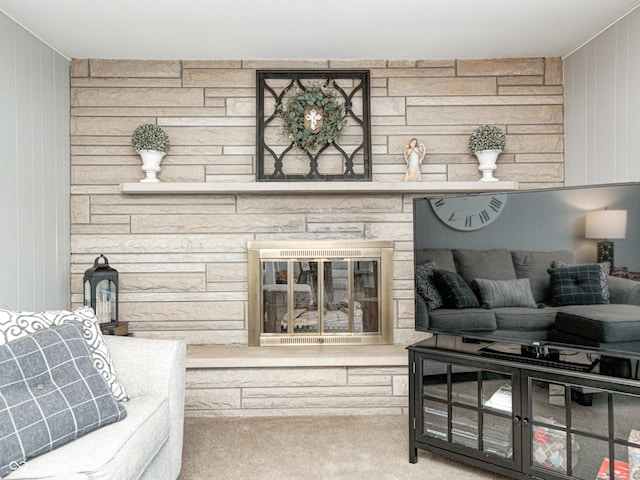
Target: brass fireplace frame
(311, 251)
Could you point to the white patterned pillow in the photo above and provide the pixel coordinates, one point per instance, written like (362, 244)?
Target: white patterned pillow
(425, 285)
(14, 325)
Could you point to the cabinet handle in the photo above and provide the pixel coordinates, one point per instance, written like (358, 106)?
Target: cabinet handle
(518, 419)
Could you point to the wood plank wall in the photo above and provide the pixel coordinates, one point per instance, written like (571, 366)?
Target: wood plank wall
(34, 180)
(602, 117)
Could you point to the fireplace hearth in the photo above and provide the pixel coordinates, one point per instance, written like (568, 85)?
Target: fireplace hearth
(320, 293)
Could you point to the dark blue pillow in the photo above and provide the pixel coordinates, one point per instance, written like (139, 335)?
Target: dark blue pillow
(454, 290)
(576, 285)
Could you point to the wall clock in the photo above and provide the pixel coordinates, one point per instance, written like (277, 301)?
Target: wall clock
(468, 213)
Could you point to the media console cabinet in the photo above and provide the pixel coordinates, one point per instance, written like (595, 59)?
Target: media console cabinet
(526, 412)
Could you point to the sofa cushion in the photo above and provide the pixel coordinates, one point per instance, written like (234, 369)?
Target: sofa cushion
(51, 394)
(442, 256)
(525, 319)
(534, 265)
(14, 325)
(491, 264)
(504, 293)
(606, 323)
(425, 285)
(120, 450)
(562, 337)
(467, 320)
(604, 268)
(454, 290)
(577, 285)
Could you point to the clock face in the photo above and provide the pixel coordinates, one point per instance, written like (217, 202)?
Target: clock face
(468, 213)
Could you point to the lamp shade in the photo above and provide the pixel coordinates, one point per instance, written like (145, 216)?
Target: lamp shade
(608, 224)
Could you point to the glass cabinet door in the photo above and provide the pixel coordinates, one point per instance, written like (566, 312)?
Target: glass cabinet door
(470, 407)
(575, 430)
(435, 400)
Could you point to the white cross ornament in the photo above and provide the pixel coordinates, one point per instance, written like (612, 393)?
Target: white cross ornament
(313, 117)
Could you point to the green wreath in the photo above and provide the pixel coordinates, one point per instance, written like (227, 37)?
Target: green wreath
(314, 97)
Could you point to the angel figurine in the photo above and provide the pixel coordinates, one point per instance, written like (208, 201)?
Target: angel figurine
(414, 154)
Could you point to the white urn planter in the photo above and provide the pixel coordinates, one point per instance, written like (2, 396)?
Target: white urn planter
(151, 164)
(487, 160)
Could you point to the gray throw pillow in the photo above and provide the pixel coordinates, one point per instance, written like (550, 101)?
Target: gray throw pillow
(605, 269)
(14, 325)
(51, 393)
(454, 290)
(426, 287)
(504, 293)
(576, 285)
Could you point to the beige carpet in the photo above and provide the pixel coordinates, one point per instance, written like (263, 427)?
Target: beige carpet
(310, 448)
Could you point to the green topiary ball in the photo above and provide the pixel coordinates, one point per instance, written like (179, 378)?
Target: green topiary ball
(486, 137)
(150, 137)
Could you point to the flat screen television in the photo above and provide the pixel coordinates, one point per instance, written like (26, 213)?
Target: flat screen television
(541, 220)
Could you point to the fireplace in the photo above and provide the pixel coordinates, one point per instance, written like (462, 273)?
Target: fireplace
(320, 293)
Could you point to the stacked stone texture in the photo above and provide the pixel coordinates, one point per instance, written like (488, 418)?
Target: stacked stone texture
(182, 258)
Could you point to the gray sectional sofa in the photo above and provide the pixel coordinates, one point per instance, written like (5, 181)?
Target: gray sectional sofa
(611, 322)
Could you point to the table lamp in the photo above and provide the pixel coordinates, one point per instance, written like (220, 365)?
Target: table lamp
(606, 225)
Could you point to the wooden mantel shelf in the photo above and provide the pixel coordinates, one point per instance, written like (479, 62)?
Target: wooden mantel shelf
(335, 188)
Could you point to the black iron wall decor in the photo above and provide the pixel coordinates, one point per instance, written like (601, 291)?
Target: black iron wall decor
(313, 125)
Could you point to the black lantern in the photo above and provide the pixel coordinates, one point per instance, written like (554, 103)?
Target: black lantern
(101, 290)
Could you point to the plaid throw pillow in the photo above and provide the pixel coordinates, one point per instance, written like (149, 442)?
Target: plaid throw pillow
(50, 394)
(576, 285)
(605, 269)
(14, 325)
(454, 290)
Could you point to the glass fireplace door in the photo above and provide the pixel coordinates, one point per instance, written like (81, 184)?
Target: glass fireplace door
(287, 292)
(366, 295)
(321, 297)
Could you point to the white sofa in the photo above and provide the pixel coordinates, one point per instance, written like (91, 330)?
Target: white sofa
(147, 444)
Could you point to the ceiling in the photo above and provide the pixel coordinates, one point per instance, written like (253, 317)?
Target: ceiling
(315, 29)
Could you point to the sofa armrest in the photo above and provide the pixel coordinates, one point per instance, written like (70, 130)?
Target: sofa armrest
(147, 366)
(422, 313)
(155, 367)
(623, 290)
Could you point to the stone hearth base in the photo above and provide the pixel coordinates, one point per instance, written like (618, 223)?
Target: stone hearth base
(288, 381)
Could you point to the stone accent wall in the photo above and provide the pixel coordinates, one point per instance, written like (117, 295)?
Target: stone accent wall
(296, 391)
(182, 258)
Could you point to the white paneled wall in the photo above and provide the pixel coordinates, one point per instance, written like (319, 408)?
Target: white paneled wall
(34, 172)
(602, 107)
